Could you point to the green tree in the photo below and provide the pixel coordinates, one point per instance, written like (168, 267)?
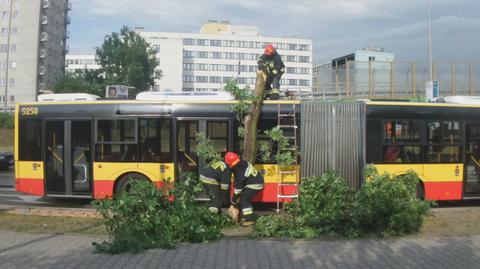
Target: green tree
(127, 59)
(86, 81)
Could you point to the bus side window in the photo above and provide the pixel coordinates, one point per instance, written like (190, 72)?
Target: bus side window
(154, 141)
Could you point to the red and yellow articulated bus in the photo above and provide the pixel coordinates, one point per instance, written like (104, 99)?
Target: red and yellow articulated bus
(89, 149)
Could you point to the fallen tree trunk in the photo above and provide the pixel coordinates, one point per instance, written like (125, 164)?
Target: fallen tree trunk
(251, 120)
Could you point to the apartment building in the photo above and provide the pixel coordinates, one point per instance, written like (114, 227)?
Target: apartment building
(78, 62)
(205, 61)
(33, 38)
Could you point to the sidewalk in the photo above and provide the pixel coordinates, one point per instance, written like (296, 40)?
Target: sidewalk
(65, 251)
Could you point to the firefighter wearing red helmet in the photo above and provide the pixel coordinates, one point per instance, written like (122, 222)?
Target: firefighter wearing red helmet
(248, 182)
(272, 65)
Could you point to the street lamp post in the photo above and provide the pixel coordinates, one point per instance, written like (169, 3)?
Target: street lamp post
(429, 85)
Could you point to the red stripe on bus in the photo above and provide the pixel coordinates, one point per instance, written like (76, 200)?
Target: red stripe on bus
(269, 193)
(30, 186)
(103, 189)
(436, 191)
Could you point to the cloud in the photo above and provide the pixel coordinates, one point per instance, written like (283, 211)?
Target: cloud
(335, 26)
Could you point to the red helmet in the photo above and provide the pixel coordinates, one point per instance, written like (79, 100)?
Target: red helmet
(269, 50)
(231, 159)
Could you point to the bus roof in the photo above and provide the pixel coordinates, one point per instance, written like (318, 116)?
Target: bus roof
(110, 102)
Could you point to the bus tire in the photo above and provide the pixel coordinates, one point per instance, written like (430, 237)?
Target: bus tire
(420, 191)
(124, 183)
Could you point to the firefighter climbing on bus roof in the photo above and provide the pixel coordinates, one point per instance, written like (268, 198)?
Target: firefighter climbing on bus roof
(272, 65)
(216, 178)
(248, 182)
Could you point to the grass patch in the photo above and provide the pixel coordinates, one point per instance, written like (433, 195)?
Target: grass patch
(6, 143)
(51, 225)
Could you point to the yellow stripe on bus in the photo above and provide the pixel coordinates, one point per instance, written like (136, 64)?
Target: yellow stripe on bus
(427, 172)
(270, 173)
(29, 170)
(154, 171)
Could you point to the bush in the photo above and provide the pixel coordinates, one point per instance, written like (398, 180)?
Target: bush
(145, 218)
(323, 208)
(384, 205)
(387, 205)
(6, 120)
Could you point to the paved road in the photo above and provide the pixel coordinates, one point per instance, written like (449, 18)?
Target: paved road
(64, 251)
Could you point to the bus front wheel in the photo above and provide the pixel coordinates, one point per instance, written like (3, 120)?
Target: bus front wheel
(125, 182)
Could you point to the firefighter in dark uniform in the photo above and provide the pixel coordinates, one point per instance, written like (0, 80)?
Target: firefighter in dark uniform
(272, 65)
(248, 182)
(216, 179)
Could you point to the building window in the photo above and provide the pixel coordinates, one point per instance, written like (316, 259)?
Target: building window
(291, 58)
(215, 43)
(243, 68)
(216, 55)
(304, 59)
(202, 54)
(189, 41)
(242, 44)
(215, 79)
(3, 48)
(229, 55)
(188, 66)
(215, 67)
(303, 47)
(292, 46)
(291, 70)
(187, 89)
(188, 78)
(252, 68)
(3, 65)
(230, 67)
(292, 82)
(5, 15)
(13, 82)
(304, 82)
(13, 65)
(2, 82)
(304, 71)
(242, 80)
(203, 67)
(252, 80)
(228, 43)
(241, 56)
(4, 31)
(202, 42)
(371, 59)
(12, 98)
(2, 99)
(280, 46)
(188, 54)
(201, 79)
(156, 48)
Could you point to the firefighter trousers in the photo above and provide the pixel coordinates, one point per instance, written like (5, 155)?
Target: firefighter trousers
(246, 197)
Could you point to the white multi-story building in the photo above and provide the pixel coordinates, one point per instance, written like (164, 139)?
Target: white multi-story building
(32, 47)
(79, 62)
(205, 61)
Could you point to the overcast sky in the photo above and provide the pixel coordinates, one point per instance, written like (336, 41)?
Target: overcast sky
(337, 27)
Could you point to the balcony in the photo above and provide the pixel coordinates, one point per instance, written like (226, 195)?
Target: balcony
(43, 53)
(44, 20)
(67, 34)
(45, 4)
(41, 70)
(68, 20)
(44, 37)
(67, 48)
(69, 6)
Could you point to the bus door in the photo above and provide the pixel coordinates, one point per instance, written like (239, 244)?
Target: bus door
(217, 130)
(68, 160)
(472, 159)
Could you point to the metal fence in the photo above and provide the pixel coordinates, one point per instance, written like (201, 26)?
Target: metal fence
(394, 79)
(333, 138)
